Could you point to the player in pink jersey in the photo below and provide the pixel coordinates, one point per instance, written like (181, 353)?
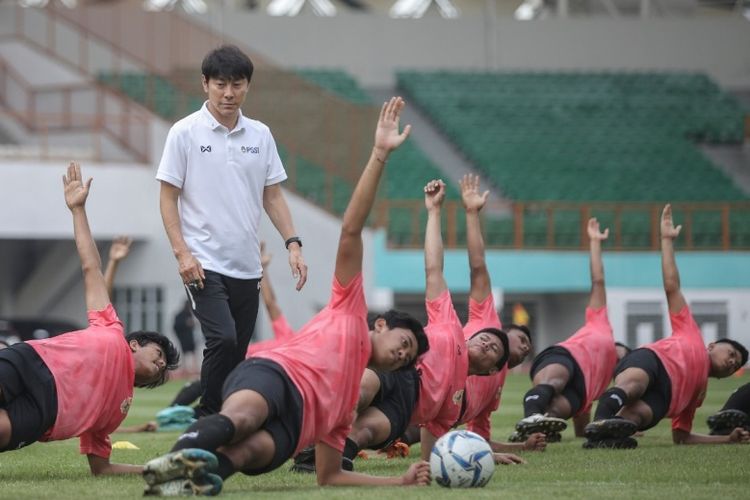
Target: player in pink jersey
(304, 390)
(668, 377)
(569, 376)
(80, 384)
(482, 393)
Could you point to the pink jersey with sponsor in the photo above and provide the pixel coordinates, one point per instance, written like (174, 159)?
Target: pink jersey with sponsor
(94, 375)
(482, 395)
(443, 369)
(282, 331)
(593, 348)
(325, 361)
(686, 360)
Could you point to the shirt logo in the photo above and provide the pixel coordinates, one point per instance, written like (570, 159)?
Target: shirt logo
(457, 397)
(125, 405)
(250, 149)
(205, 149)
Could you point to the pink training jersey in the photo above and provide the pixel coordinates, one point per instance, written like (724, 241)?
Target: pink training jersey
(593, 348)
(94, 375)
(443, 369)
(684, 356)
(282, 331)
(325, 360)
(482, 395)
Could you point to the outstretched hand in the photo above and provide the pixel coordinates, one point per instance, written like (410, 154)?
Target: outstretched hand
(120, 248)
(387, 136)
(417, 475)
(668, 229)
(536, 442)
(507, 459)
(739, 435)
(470, 195)
(594, 231)
(434, 194)
(76, 191)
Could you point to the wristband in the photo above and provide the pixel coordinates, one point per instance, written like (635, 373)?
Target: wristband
(293, 239)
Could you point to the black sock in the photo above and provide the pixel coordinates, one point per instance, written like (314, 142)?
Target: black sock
(188, 394)
(537, 400)
(350, 453)
(207, 434)
(610, 403)
(739, 400)
(226, 467)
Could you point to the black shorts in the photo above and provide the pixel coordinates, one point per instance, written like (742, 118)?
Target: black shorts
(658, 395)
(29, 395)
(397, 398)
(284, 422)
(575, 389)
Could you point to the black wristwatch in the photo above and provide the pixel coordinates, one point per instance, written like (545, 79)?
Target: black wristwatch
(293, 239)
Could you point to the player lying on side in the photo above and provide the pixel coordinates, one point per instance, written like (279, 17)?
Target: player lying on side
(669, 377)
(304, 390)
(80, 384)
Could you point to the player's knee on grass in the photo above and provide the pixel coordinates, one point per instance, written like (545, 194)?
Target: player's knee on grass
(247, 410)
(253, 453)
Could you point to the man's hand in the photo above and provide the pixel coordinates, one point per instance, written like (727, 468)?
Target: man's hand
(191, 270)
(739, 435)
(536, 442)
(594, 232)
(120, 248)
(387, 136)
(297, 263)
(434, 194)
(507, 459)
(668, 230)
(472, 199)
(417, 475)
(76, 191)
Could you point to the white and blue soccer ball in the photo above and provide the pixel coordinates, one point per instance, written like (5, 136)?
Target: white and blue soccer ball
(462, 459)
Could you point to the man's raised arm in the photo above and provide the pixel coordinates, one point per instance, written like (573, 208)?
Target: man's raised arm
(434, 194)
(598, 297)
(76, 192)
(670, 274)
(473, 202)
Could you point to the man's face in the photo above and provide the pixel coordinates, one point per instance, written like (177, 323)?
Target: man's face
(392, 348)
(225, 97)
(485, 350)
(150, 362)
(520, 347)
(725, 359)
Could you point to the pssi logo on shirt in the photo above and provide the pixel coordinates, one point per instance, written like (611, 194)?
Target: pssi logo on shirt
(250, 149)
(125, 405)
(205, 149)
(457, 397)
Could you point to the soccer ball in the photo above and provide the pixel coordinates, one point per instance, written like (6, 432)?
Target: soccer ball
(462, 459)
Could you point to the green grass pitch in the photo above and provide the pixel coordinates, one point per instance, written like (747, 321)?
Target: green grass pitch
(657, 469)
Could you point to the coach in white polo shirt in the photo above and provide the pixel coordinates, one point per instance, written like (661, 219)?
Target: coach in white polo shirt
(223, 167)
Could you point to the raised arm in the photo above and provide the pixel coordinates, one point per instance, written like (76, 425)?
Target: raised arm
(598, 297)
(76, 192)
(119, 249)
(387, 139)
(473, 202)
(188, 266)
(434, 194)
(670, 274)
(266, 290)
(275, 206)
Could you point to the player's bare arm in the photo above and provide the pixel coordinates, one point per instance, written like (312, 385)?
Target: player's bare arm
(670, 274)
(277, 209)
(266, 289)
(434, 194)
(118, 250)
(473, 202)
(76, 193)
(329, 472)
(598, 297)
(387, 139)
(737, 436)
(188, 266)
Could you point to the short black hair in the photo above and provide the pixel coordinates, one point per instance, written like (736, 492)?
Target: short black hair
(628, 350)
(740, 348)
(503, 340)
(171, 354)
(523, 328)
(399, 319)
(228, 62)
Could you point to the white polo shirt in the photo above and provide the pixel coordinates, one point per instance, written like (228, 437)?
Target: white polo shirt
(222, 175)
